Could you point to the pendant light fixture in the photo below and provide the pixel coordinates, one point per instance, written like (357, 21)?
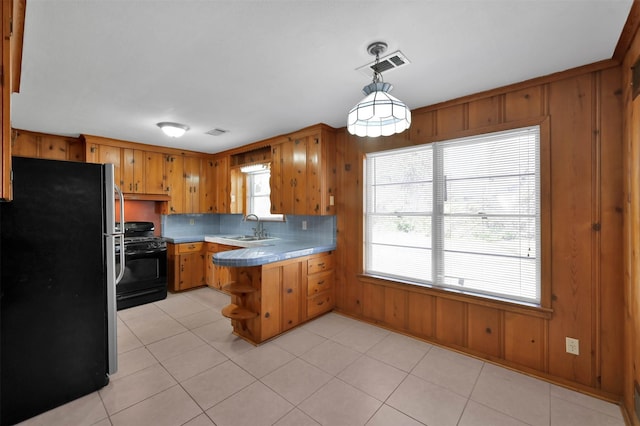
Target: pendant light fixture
(174, 130)
(379, 113)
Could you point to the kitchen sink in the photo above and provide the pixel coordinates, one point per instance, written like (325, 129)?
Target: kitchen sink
(249, 238)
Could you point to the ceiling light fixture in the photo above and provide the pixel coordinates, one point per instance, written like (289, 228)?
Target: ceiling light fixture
(173, 130)
(379, 113)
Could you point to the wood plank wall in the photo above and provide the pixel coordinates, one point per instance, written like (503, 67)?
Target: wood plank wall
(631, 244)
(580, 116)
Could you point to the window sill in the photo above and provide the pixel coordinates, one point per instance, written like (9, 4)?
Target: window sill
(446, 293)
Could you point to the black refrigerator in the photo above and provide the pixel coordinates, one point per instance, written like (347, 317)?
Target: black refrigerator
(57, 285)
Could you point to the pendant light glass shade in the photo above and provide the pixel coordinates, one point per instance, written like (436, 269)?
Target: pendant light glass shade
(173, 130)
(379, 113)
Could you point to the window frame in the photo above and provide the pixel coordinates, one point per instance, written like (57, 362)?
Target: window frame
(544, 222)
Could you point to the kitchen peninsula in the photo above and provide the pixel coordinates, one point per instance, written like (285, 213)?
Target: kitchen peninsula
(276, 282)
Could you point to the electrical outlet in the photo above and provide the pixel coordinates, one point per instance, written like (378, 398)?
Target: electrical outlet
(573, 346)
(304, 225)
(192, 221)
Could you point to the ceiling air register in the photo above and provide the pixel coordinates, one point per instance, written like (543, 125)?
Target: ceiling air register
(379, 113)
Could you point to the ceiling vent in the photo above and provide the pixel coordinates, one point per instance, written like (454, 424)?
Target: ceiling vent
(216, 132)
(386, 63)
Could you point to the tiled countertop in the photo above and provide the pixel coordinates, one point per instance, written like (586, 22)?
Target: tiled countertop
(269, 251)
(257, 253)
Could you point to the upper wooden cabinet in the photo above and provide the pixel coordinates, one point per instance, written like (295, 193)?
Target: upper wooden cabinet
(12, 15)
(138, 172)
(174, 173)
(303, 173)
(42, 145)
(192, 171)
(221, 184)
(154, 173)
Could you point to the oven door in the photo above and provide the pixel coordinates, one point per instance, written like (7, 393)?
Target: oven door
(144, 279)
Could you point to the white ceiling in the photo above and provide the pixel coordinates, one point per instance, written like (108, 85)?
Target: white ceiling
(115, 68)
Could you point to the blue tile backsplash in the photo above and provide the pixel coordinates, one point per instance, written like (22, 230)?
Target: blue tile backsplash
(320, 228)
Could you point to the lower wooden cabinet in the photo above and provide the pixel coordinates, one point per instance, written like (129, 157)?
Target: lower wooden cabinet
(217, 276)
(186, 267)
(270, 299)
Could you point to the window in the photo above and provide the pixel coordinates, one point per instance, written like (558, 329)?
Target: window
(462, 214)
(259, 193)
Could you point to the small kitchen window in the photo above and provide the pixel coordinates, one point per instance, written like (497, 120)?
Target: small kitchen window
(258, 193)
(462, 214)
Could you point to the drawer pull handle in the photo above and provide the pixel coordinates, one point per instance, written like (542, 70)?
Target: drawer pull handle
(289, 290)
(267, 315)
(321, 265)
(320, 282)
(321, 303)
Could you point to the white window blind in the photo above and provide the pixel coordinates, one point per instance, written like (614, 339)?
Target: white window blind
(462, 214)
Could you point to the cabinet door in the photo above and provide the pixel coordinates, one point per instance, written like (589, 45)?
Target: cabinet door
(270, 315)
(192, 184)
(291, 295)
(154, 173)
(175, 183)
(132, 171)
(314, 175)
(54, 148)
(221, 166)
(207, 186)
(103, 154)
(184, 275)
(24, 144)
(199, 269)
(209, 267)
(192, 270)
(276, 179)
(293, 163)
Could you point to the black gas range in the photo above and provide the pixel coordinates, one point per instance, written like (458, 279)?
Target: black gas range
(145, 271)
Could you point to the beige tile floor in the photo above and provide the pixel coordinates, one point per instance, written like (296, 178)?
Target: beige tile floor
(179, 364)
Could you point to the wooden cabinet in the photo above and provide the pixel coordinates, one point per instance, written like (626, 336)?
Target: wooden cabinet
(208, 186)
(303, 174)
(133, 171)
(186, 267)
(320, 295)
(142, 172)
(289, 193)
(42, 145)
(217, 276)
(103, 154)
(270, 299)
(291, 295)
(174, 172)
(183, 184)
(153, 173)
(192, 184)
(221, 173)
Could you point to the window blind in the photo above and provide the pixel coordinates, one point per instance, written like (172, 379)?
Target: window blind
(461, 214)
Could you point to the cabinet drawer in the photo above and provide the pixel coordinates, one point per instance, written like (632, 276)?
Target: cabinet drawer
(319, 264)
(190, 247)
(317, 283)
(318, 304)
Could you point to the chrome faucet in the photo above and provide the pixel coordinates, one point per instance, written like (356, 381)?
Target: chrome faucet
(258, 231)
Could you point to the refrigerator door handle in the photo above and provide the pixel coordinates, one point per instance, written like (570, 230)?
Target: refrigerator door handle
(122, 257)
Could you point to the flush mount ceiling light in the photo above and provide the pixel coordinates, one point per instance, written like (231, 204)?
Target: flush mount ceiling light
(379, 113)
(173, 130)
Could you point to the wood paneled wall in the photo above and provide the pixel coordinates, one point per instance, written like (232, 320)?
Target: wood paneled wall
(631, 244)
(580, 116)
